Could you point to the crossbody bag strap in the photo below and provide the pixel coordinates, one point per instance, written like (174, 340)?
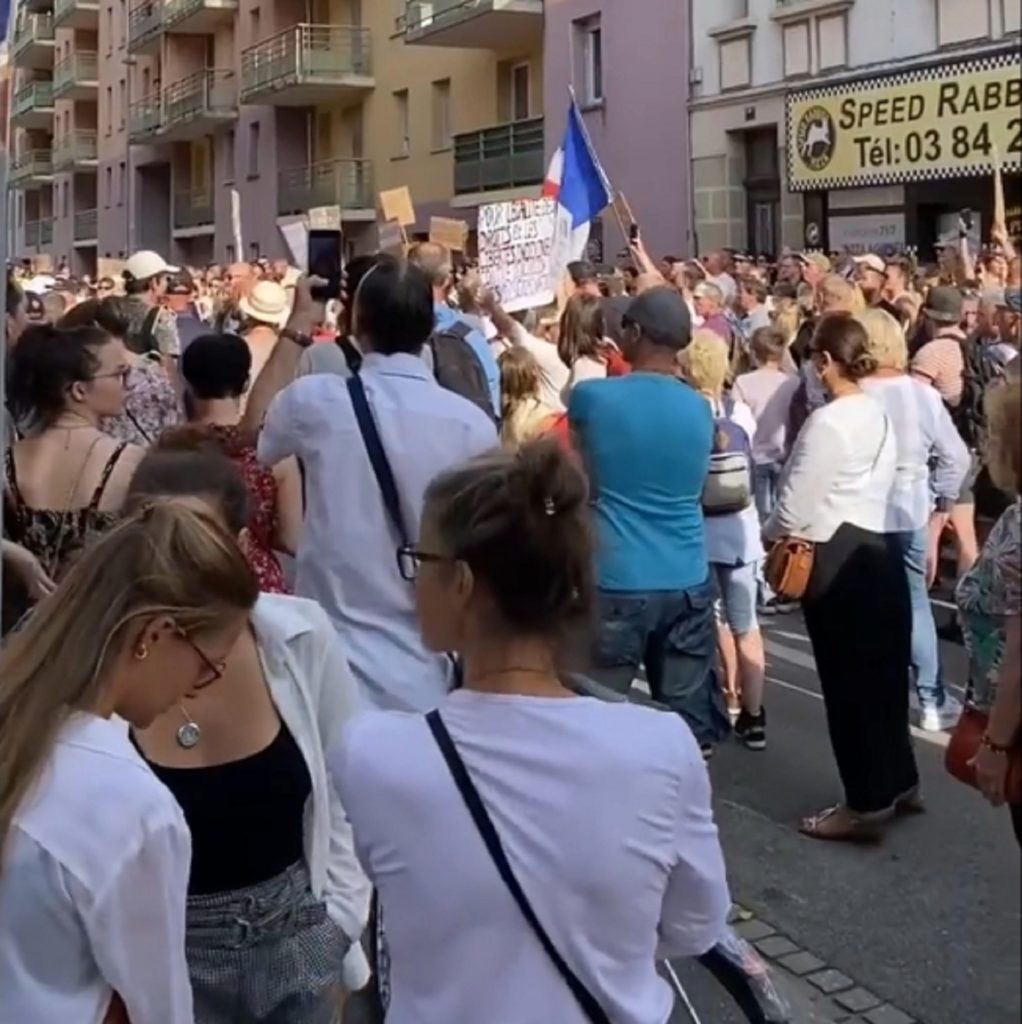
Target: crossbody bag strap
(377, 455)
(488, 834)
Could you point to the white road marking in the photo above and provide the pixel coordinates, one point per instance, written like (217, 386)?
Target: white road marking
(789, 654)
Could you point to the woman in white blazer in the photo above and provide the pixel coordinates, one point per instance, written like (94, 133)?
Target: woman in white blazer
(277, 900)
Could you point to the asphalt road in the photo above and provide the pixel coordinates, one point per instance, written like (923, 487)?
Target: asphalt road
(929, 920)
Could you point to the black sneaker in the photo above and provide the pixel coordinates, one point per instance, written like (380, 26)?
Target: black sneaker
(751, 730)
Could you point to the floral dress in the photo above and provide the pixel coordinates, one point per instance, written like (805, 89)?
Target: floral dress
(150, 405)
(987, 596)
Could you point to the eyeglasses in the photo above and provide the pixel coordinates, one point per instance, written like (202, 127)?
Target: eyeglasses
(410, 559)
(123, 373)
(215, 669)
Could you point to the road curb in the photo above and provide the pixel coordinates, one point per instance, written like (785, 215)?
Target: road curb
(830, 990)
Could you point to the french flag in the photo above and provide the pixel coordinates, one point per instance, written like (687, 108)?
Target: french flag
(578, 185)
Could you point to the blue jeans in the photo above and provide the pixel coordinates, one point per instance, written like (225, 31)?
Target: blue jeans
(765, 479)
(925, 652)
(674, 635)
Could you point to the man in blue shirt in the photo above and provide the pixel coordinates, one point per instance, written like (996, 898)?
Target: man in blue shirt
(646, 441)
(434, 261)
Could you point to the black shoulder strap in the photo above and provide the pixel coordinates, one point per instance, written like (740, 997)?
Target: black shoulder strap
(488, 834)
(377, 455)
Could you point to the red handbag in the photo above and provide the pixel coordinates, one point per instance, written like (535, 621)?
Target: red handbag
(966, 739)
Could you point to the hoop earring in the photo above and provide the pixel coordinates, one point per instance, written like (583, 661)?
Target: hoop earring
(141, 652)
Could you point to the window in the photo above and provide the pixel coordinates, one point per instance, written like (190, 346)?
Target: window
(442, 115)
(122, 92)
(404, 139)
(229, 250)
(796, 49)
(109, 187)
(228, 156)
(960, 23)
(122, 183)
(65, 203)
(254, 26)
(520, 88)
(831, 42)
(122, 22)
(253, 250)
(592, 57)
(109, 108)
(253, 149)
(109, 30)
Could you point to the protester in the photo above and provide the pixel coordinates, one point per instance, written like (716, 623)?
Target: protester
(871, 277)
(346, 557)
(217, 370)
(733, 543)
(718, 266)
(150, 328)
(181, 301)
(271, 844)
(263, 312)
(584, 279)
(646, 441)
(239, 281)
(523, 416)
(898, 273)
(752, 301)
(857, 607)
(709, 306)
(617, 852)
(940, 362)
(932, 463)
(86, 830)
(989, 604)
(580, 341)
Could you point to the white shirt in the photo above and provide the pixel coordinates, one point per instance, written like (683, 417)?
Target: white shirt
(553, 374)
(923, 429)
(93, 888)
(585, 368)
(604, 814)
(315, 695)
(347, 558)
(841, 470)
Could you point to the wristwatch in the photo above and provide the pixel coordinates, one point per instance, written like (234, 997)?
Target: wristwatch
(300, 339)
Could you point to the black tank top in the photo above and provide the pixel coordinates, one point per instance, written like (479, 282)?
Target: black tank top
(246, 817)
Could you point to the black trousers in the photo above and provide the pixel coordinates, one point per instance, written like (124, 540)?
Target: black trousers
(859, 618)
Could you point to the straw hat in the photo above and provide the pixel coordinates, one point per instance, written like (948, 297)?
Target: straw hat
(266, 303)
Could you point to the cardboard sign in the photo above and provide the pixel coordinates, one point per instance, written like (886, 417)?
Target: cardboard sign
(451, 234)
(391, 236)
(515, 243)
(397, 205)
(325, 218)
(107, 267)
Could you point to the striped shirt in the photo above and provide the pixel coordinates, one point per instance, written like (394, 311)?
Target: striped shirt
(941, 363)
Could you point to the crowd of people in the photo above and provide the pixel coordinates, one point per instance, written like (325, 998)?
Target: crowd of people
(297, 602)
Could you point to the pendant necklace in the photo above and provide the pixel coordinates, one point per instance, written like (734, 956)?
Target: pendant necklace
(189, 734)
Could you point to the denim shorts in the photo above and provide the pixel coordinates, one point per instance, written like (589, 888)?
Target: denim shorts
(737, 590)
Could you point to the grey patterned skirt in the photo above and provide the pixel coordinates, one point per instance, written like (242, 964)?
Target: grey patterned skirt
(268, 954)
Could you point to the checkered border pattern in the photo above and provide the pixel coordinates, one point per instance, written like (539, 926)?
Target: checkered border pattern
(988, 63)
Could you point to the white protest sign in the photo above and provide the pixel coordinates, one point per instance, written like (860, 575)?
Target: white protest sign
(514, 251)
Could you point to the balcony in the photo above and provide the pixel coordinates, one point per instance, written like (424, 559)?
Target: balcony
(33, 42)
(39, 232)
(479, 24)
(505, 156)
(145, 25)
(32, 106)
(36, 6)
(77, 77)
(76, 14)
(32, 169)
(193, 211)
(144, 118)
(86, 227)
(344, 183)
(76, 151)
(306, 65)
(198, 105)
(197, 17)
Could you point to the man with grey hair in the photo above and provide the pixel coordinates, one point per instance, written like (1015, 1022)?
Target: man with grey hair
(708, 300)
(435, 262)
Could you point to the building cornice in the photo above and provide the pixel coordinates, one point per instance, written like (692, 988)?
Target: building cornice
(738, 29)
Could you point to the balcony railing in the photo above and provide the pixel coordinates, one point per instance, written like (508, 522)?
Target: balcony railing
(145, 23)
(205, 94)
(34, 96)
(46, 231)
(473, 23)
(86, 226)
(193, 208)
(505, 156)
(78, 70)
(75, 13)
(344, 183)
(144, 117)
(35, 28)
(306, 55)
(33, 163)
(205, 12)
(76, 148)
(31, 232)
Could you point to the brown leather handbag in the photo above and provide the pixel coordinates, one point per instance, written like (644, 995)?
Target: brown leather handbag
(966, 738)
(789, 564)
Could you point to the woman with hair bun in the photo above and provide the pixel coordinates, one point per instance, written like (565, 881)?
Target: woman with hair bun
(94, 851)
(602, 810)
(857, 608)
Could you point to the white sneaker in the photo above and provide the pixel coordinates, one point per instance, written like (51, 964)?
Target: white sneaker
(940, 719)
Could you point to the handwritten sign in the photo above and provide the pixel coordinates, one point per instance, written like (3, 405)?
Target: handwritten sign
(396, 204)
(451, 234)
(515, 240)
(325, 218)
(391, 236)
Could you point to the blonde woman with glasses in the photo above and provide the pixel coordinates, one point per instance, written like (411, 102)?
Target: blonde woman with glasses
(95, 851)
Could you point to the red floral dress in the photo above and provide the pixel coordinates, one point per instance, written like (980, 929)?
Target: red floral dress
(262, 514)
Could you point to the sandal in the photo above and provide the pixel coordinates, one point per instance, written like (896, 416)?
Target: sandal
(840, 825)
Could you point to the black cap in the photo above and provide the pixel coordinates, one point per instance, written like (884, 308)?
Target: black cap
(662, 316)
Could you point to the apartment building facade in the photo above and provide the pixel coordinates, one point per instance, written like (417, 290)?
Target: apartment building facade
(779, 86)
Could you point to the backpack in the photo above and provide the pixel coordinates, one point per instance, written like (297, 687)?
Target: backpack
(457, 368)
(143, 341)
(728, 486)
(981, 368)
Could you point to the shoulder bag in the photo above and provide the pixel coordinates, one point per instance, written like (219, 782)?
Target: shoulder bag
(477, 809)
(966, 739)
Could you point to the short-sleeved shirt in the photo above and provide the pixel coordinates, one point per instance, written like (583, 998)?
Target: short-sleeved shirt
(942, 363)
(164, 329)
(646, 441)
(988, 595)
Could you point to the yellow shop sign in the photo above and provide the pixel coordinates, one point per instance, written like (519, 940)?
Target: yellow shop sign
(947, 121)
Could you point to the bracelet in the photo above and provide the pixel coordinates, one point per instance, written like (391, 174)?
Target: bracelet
(997, 748)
